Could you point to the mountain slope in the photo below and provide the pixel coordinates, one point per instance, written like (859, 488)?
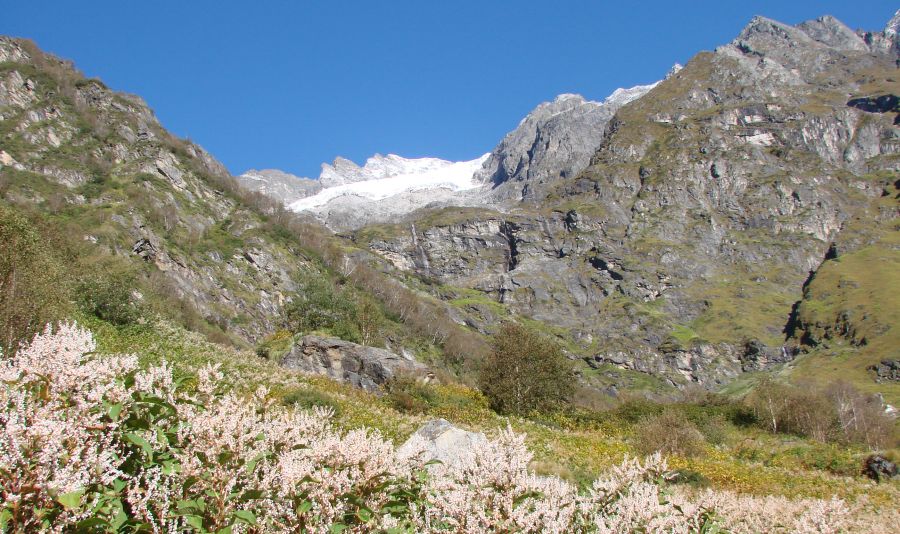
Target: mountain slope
(682, 248)
(143, 219)
(100, 165)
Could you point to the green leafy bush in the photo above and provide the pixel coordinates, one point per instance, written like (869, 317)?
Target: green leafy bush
(108, 295)
(33, 284)
(669, 433)
(525, 372)
(319, 306)
(310, 398)
(408, 395)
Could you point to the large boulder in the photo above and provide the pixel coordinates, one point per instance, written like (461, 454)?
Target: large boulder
(363, 367)
(440, 440)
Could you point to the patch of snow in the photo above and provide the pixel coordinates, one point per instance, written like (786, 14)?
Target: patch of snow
(387, 176)
(676, 68)
(893, 26)
(620, 96)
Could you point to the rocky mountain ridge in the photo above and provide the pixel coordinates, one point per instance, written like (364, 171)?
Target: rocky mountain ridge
(556, 140)
(284, 187)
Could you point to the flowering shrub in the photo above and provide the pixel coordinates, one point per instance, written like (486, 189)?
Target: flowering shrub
(96, 443)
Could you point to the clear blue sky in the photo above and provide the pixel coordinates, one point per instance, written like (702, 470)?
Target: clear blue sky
(290, 84)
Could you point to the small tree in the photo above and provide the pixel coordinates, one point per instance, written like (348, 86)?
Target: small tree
(369, 321)
(318, 305)
(106, 293)
(669, 433)
(769, 402)
(524, 372)
(32, 281)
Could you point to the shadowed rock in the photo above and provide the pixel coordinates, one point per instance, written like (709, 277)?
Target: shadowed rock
(360, 366)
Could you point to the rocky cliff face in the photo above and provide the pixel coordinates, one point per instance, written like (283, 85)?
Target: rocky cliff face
(556, 140)
(278, 185)
(683, 246)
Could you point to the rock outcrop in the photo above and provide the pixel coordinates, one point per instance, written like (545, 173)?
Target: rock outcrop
(279, 185)
(556, 140)
(363, 367)
(886, 371)
(440, 440)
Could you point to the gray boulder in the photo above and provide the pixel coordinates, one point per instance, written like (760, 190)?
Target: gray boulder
(443, 442)
(363, 367)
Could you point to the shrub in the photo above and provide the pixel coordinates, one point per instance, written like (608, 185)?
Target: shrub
(668, 433)
(107, 295)
(636, 409)
(319, 306)
(524, 372)
(784, 408)
(769, 402)
(307, 398)
(715, 430)
(33, 286)
(860, 417)
(838, 412)
(408, 395)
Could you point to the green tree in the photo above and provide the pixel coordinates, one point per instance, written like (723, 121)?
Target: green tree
(33, 289)
(525, 372)
(318, 305)
(106, 293)
(369, 320)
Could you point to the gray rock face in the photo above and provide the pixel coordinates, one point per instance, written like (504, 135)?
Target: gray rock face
(556, 140)
(832, 32)
(364, 367)
(279, 185)
(886, 41)
(444, 442)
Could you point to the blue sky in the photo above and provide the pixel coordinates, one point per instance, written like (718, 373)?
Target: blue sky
(290, 84)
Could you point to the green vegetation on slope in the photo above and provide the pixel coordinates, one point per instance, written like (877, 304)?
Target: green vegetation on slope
(577, 444)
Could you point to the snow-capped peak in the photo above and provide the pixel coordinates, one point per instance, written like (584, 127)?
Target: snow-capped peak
(386, 176)
(621, 96)
(676, 68)
(377, 167)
